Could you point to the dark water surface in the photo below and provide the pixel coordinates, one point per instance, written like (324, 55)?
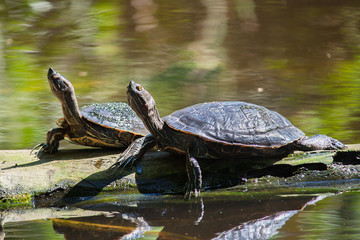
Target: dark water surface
(219, 216)
(298, 57)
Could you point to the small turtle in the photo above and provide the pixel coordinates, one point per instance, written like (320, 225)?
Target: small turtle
(98, 125)
(221, 130)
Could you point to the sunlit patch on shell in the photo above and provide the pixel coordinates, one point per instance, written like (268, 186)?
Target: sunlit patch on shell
(116, 115)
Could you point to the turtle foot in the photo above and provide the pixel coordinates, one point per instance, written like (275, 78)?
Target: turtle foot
(320, 142)
(122, 163)
(194, 182)
(133, 154)
(44, 147)
(191, 190)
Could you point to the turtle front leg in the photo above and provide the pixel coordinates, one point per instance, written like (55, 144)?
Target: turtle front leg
(53, 137)
(52, 140)
(193, 170)
(134, 152)
(319, 142)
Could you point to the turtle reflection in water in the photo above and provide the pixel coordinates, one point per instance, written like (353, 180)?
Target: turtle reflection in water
(98, 125)
(221, 130)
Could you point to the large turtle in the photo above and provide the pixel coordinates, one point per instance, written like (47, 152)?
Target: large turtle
(221, 130)
(99, 125)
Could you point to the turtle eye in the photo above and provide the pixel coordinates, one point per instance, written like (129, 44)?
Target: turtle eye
(139, 88)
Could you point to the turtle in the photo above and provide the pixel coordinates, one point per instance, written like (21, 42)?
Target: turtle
(113, 124)
(220, 130)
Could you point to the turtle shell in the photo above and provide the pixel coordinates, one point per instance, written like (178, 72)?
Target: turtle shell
(116, 115)
(236, 123)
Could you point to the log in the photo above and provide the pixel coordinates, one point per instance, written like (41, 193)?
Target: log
(85, 172)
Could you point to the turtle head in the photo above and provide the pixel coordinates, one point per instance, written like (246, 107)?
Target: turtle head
(141, 101)
(64, 91)
(60, 86)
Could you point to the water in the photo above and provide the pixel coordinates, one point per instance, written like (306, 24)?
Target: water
(294, 57)
(216, 216)
(297, 57)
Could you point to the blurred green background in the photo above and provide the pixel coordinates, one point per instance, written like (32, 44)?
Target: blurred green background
(300, 58)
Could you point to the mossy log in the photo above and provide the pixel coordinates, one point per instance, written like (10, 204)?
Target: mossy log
(85, 172)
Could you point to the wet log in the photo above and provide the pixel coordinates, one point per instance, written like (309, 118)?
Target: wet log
(85, 172)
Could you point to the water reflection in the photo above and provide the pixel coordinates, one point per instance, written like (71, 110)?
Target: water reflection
(231, 217)
(332, 218)
(219, 215)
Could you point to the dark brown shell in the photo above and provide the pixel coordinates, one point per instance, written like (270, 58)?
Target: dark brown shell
(236, 123)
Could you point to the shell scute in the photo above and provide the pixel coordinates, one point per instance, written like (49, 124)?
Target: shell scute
(235, 123)
(117, 115)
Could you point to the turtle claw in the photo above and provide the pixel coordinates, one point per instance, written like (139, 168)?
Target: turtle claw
(192, 187)
(337, 144)
(38, 145)
(191, 190)
(133, 154)
(122, 164)
(45, 147)
(41, 147)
